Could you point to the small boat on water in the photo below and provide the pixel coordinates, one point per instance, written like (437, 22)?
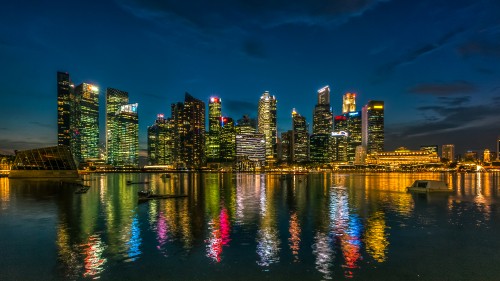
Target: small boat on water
(148, 195)
(428, 186)
(129, 182)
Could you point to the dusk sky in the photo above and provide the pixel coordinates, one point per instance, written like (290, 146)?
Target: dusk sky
(435, 63)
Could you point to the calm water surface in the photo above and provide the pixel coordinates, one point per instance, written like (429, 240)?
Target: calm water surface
(251, 227)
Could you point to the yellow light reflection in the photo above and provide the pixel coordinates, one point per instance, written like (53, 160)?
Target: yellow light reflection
(376, 238)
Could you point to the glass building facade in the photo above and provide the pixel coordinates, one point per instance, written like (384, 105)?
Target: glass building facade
(267, 125)
(86, 128)
(161, 142)
(348, 103)
(227, 140)
(114, 100)
(65, 100)
(300, 138)
(127, 133)
(323, 115)
(213, 140)
(373, 126)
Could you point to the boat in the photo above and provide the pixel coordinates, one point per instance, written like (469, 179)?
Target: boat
(429, 186)
(129, 182)
(148, 195)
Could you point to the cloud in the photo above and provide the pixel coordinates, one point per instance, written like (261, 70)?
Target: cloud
(480, 48)
(452, 120)
(443, 89)
(416, 54)
(217, 14)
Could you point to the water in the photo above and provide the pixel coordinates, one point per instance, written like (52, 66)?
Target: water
(251, 227)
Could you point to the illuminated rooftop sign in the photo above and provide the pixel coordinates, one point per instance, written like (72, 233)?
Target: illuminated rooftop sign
(356, 113)
(341, 133)
(129, 108)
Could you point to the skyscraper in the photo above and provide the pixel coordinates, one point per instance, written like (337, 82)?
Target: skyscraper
(193, 137)
(227, 140)
(161, 142)
(267, 125)
(127, 134)
(338, 144)
(213, 141)
(65, 100)
(250, 145)
(86, 145)
(320, 148)
(300, 138)
(322, 115)
(373, 126)
(286, 146)
(349, 103)
(114, 100)
(498, 148)
(350, 123)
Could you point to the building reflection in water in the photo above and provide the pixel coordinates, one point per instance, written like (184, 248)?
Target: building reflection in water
(268, 242)
(343, 219)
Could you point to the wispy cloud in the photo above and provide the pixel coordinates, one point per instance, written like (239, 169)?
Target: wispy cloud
(443, 89)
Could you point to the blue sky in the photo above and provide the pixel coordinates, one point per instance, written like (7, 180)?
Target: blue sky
(435, 63)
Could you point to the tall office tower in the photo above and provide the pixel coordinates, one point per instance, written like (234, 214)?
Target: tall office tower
(448, 152)
(300, 138)
(373, 126)
(286, 146)
(213, 141)
(179, 132)
(193, 142)
(127, 134)
(160, 142)
(227, 140)
(320, 148)
(349, 103)
(338, 142)
(245, 125)
(65, 100)
(267, 125)
(114, 100)
(350, 123)
(86, 145)
(322, 115)
(250, 150)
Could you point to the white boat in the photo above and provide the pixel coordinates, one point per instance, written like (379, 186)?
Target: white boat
(429, 186)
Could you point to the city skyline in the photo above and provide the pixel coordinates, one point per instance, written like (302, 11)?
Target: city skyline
(438, 87)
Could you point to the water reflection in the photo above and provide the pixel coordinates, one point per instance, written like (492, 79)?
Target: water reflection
(332, 226)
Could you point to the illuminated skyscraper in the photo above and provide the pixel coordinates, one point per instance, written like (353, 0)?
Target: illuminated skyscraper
(246, 125)
(373, 126)
(86, 145)
(339, 145)
(65, 103)
(448, 152)
(213, 141)
(267, 125)
(127, 133)
(300, 138)
(350, 123)
(498, 148)
(114, 100)
(486, 156)
(323, 116)
(161, 142)
(189, 132)
(250, 145)
(349, 103)
(227, 140)
(320, 151)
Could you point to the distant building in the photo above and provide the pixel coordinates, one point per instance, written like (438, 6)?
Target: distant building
(161, 142)
(431, 148)
(402, 156)
(267, 125)
(227, 140)
(338, 144)
(47, 162)
(65, 105)
(193, 132)
(122, 130)
(448, 152)
(322, 115)
(320, 148)
(373, 126)
(246, 125)
(349, 103)
(361, 154)
(213, 139)
(86, 125)
(250, 151)
(498, 148)
(350, 123)
(300, 138)
(486, 156)
(286, 146)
